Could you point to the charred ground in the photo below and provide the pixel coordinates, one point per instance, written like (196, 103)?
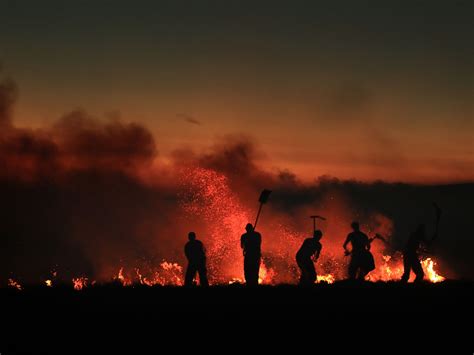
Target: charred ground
(390, 311)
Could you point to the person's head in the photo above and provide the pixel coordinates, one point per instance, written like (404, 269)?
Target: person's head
(192, 236)
(355, 226)
(249, 227)
(317, 234)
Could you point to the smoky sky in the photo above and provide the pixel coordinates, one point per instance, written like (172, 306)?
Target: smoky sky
(377, 82)
(87, 195)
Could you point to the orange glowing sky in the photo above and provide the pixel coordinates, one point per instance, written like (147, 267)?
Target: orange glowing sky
(364, 91)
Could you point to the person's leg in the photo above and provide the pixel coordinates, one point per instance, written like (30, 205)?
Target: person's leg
(353, 268)
(251, 269)
(254, 272)
(203, 275)
(362, 274)
(311, 272)
(417, 269)
(304, 273)
(406, 268)
(190, 273)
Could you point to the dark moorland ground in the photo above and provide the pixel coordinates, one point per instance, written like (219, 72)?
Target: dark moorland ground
(41, 319)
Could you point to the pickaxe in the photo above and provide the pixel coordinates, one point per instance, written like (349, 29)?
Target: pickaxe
(314, 220)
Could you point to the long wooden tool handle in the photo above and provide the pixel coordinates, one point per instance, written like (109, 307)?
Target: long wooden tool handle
(258, 215)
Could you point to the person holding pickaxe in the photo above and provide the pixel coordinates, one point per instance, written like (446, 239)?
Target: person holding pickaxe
(308, 254)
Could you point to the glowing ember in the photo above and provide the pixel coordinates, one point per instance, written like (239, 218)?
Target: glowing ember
(208, 196)
(49, 283)
(79, 283)
(14, 284)
(265, 275)
(120, 277)
(172, 274)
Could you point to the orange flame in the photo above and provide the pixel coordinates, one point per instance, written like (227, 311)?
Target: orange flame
(392, 270)
(428, 267)
(329, 278)
(14, 284)
(79, 283)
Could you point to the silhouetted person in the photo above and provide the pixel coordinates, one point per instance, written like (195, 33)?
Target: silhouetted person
(362, 261)
(251, 243)
(309, 251)
(411, 259)
(196, 255)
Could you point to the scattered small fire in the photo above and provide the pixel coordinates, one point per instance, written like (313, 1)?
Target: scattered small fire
(49, 283)
(168, 274)
(79, 283)
(14, 284)
(329, 278)
(392, 270)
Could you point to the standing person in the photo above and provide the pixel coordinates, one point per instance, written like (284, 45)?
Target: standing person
(411, 259)
(250, 243)
(362, 260)
(196, 255)
(305, 257)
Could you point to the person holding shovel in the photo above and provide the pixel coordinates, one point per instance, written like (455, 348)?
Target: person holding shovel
(251, 242)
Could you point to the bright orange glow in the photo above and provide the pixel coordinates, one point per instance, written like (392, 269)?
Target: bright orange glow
(329, 278)
(392, 270)
(428, 267)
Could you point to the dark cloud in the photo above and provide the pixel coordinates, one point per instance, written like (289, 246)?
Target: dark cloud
(86, 141)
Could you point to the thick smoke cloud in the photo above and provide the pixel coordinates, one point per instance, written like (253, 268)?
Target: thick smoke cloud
(86, 196)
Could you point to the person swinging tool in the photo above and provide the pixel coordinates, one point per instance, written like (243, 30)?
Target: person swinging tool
(362, 260)
(307, 254)
(251, 243)
(411, 259)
